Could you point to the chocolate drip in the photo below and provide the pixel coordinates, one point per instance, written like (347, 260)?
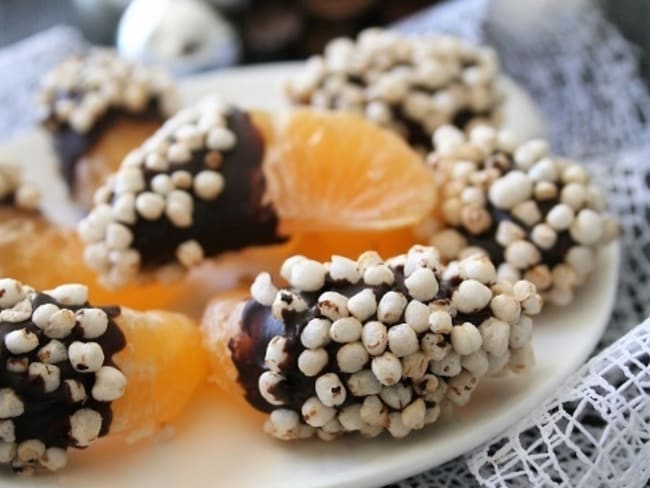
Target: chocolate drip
(258, 327)
(236, 219)
(46, 415)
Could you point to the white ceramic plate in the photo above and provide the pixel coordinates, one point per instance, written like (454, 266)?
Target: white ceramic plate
(222, 445)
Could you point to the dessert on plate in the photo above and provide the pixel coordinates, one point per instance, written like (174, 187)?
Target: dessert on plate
(368, 345)
(97, 107)
(536, 215)
(411, 85)
(71, 372)
(216, 180)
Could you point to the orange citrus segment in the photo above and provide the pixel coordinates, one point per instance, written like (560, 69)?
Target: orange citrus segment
(163, 362)
(35, 251)
(332, 170)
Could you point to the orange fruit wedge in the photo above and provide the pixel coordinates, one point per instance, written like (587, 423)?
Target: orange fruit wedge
(163, 362)
(36, 251)
(332, 170)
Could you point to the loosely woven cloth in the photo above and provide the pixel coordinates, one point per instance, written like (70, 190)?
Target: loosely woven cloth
(595, 431)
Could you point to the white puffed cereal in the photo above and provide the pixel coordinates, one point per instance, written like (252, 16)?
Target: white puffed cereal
(422, 284)
(346, 329)
(352, 357)
(364, 383)
(402, 340)
(110, 384)
(267, 383)
(7, 431)
(18, 313)
(182, 179)
(582, 259)
(162, 184)
(476, 363)
(434, 346)
(21, 341)
(396, 396)
(288, 264)
(312, 361)
(544, 170)
(449, 242)
(471, 296)
(421, 257)
(333, 305)
(92, 321)
(72, 294)
(208, 185)
(316, 333)
(530, 152)
(10, 404)
(154, 161)
(178, 210)
(54, 458)
(344, 269)
(588, 227)
(190, 253)
(448, 366)
(417, 316)
(574, 173)
(283, 424)
(286, 301)
(221, 139)
(508, 232)
(350, 417)
(496, 335)
(50, 375)
(513, 188)
(466, 338)
(413, 415)
(461, 388)
(521, 332)
(378, 274)
(330, 390)
(374, 337)
(560, 217)
(76, 391)
(178, 153)
(85, 425)
(17, 365)
(373, 411)
(150, 205)
(263, 290)
(477, 267)
(60, 323)
(506, 308)
(85, 357)
(440, 322)
(30, 450)
(396, 427)
(522, 359)
(575, 195)
(316, 413)
(390, 307)
(543, 236)
(7, 452)
(276, 354)
(387, 368)
(522, 290)
(118, 236)
(527, 212)
(522, 254)
(307, 275)
(123, 211)
(363, 304)
(415, 365)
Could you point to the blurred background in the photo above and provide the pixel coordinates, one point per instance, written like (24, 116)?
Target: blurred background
(214, 33)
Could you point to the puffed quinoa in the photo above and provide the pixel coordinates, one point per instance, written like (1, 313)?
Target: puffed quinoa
(540, 207)
(370, 355)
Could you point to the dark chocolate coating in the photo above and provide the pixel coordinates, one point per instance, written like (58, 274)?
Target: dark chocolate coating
(258, 327)
(46, 415)
(70, 145)
(235, 219)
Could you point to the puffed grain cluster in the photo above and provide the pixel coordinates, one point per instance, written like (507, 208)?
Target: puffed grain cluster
(13, 191)
(56, 375)
(160, 182)
(82, 89)
(538, 216)
(387, 345)
(411, 85)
